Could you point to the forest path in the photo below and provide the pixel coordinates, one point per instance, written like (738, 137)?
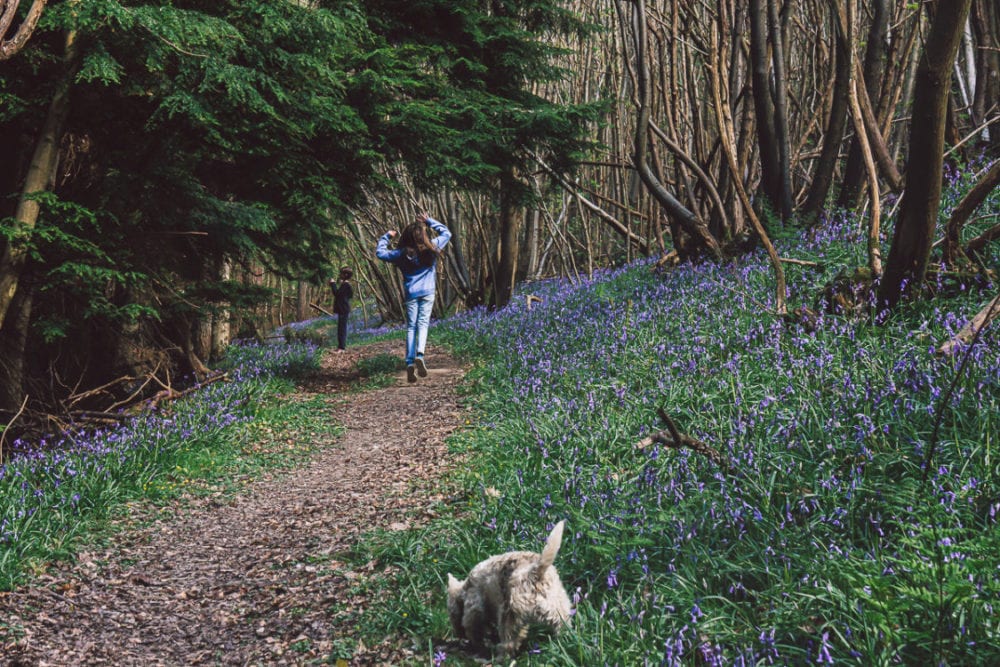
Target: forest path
(253, 579)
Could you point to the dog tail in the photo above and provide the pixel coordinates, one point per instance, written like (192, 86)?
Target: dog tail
(551, 547)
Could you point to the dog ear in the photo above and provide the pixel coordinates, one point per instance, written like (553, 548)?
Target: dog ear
(552, 545)
(454, 585)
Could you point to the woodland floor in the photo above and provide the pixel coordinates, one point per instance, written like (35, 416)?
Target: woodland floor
(255, 578)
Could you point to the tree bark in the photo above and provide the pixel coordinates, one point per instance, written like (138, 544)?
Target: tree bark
(503, 285)
(783, 203)
(221, 318)
(833, 137)
(726, 132)
(854, 171)
(9, 47)
(13, 348)
(985, 19)
(40, 175)
(770, 161)
(906, 266)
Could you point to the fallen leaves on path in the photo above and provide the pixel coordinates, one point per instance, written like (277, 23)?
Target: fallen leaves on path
(257, 578)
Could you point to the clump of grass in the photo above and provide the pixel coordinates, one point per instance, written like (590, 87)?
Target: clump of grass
(379, 370)
(821, 543)
(380, 364)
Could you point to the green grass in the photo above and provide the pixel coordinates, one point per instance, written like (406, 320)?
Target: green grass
(822, 543)
(215, 441)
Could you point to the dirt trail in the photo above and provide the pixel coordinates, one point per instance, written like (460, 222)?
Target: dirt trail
(253, 579)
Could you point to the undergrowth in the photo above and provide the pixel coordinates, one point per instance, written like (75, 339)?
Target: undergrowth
(821, 541)
(55, 495)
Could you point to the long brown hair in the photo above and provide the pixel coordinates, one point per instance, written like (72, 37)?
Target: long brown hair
(417, 245)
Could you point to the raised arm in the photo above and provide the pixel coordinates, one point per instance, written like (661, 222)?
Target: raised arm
(383, 252)
(443, 233)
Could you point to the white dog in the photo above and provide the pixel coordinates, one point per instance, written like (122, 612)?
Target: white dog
(505, 594)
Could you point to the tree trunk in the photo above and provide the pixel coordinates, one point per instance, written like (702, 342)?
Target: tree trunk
(221, 318)
(40, 174)
(302, 301)
(783, 203)
(767, 140)
(985, 19)
(8, 47)
(906, 266)
(13, 348)
(833, 137)
(726, 132)
(854, 171)
(503, 285)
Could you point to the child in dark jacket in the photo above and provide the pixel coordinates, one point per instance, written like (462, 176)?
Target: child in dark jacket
(342, 296)
(416, 257)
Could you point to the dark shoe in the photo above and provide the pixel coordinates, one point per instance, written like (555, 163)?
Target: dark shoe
(421, 367)
(411, 376)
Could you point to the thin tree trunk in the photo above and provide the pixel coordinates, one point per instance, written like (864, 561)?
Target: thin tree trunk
(833, 137)
(40, 175)
(725, 124)
(770, 160)
(906, 266)
(13, 348)
(221, 319)
(849, 22)
(784, 201)
(9, 47)
(302, 301)
(854, 171)
(503, 285)
(985, 20)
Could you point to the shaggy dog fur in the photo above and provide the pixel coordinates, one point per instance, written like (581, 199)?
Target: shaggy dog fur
(505, 594)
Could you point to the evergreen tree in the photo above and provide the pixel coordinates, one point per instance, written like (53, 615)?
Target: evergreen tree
(481, 114)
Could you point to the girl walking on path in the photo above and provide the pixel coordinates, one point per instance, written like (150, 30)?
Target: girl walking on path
(416, 256)
(342, 296)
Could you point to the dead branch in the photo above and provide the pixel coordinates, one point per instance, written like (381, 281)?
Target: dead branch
(171, 394)
(613, 222)
(321, 309)
(669, 259)
(98, 415)
(800, 262)
(674, 439)
(3, 433)
(531, 298)
(981, 241)
(987, 314)
(138, 391)
(76, 398)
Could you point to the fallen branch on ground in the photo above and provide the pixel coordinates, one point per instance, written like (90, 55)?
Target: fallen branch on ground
(675, 439)
(987, 314)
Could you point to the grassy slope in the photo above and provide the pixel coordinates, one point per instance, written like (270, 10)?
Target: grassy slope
(823, 543)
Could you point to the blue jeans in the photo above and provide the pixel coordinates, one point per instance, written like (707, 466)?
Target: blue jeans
(418, 319)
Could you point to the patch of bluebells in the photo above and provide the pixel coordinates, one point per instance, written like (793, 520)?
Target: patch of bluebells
(824, 514)
(45, 486)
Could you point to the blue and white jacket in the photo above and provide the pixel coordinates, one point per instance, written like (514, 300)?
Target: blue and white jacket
(418, 280)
